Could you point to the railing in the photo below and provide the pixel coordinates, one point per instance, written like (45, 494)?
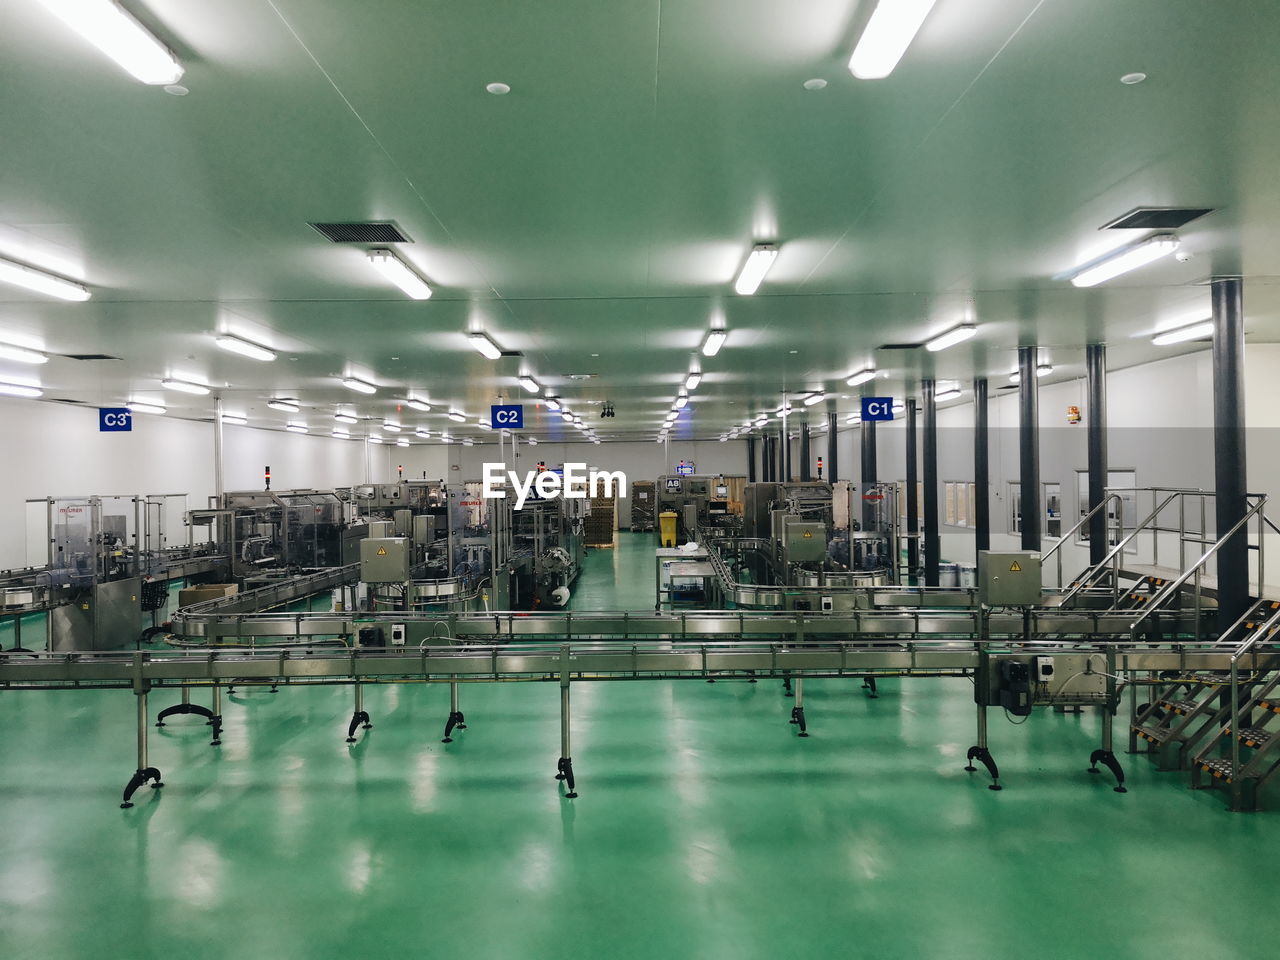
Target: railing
(1066, 537)
(1175, 585)
(1089, 576)
(1264, 630)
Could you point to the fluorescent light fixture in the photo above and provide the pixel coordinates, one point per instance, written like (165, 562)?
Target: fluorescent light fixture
(446, 439)
(296, 427)
(1042, 370)
(457, 417)
(30, 278)
(400, 273)
(692, 380)
(853, 418)
(185, 386)
(1124, 260)
(390, 426)
(111, 29)
(402, 442)
(713, 341)
(813, 398)
(288, 406)
(861, 377)
(682, 401)
(949, 338)
(375, 439)
(595, 439)
(243, 347)
(888, 33)
(11, 351)
(532, 442)
(413, 403)
(345, 418)
(530, 384)
(485, 425)
(761, 421)
(340, 435)
(467, 442)
(946, 395)
(759, 260)
(424, 434)
(1195, 331)
(234, 420)
(484, 345)
(553, 403)
(25, 390)
(566, 416)
(137, 407)
(358, 385)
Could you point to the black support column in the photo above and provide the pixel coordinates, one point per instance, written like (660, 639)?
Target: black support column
(1095, 361)
(932, 542)
(766, 462)
(783, 444)
(751, 459)
(913, 505)
(1228, 447)
(867, 438)
(981, 469)
(806, 474)
(832, 448)
(1029, 446)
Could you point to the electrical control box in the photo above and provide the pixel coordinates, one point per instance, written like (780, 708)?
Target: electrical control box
(380, 528)
(424, 529)
(828, 604)
(1008, 579)
(803, 542)
(384, 559)
(397, 635)
(1044, 669)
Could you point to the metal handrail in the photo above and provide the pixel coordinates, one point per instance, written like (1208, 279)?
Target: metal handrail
(1234, 730)
(1174, 585)
(1089, 575)
(1080, 523)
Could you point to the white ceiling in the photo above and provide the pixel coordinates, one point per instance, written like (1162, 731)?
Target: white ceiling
(594, 218)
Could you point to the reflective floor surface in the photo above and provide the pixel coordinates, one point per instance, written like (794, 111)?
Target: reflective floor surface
(705, 828)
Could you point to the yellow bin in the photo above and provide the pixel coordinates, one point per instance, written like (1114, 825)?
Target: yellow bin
(667, 527)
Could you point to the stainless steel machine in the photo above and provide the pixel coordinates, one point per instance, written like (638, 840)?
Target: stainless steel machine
(698, 501)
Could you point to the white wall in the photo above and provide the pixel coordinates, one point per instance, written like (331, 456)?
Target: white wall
(56, 450)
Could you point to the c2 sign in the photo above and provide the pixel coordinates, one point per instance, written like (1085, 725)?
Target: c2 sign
(507, 416)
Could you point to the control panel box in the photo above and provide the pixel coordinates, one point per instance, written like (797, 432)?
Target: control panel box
(804, 542)
(1008, 579)
(384, 559)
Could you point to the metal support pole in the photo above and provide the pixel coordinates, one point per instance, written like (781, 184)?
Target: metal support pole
(833, 447)
(1095, 355)
(751, 459)
(358, 717)
(218, 481)
(456, 719)
(144, 772)
(142, 731)
(867, 441)
(806, 473)
(1029, 446)
(913, 503)
(564, 768)
(1229, 448)
(932, 541)
(797, 711)
(981, 470)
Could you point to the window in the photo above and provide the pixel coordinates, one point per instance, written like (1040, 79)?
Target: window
(1053, 510)
(1015, 508)
(959, 511)
(901, 497)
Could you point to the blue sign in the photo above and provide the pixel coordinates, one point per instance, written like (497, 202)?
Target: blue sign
(507, 416)
(877, 408)
(115, 420)
(685, 469)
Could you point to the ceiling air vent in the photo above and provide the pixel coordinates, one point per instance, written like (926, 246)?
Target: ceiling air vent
(89, 356)
(1156, 218)
(899, 346)
(379, 232)
(63, 400)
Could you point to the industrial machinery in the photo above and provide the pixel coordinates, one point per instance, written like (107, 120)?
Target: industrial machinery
(642, 502)
(699, 502)
(271, 533)
(546, 552)
(109, 563)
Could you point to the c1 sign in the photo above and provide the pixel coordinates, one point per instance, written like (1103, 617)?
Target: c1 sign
(507, 416)
(115, 420)
(877, 408)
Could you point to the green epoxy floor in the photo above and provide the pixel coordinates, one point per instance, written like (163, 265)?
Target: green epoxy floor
(704, 828)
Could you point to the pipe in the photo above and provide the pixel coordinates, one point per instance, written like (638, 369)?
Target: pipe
(981, 470)
(913, 502)
(932, 541)
(832, 448)
(1095, 358)
(1029, 446)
